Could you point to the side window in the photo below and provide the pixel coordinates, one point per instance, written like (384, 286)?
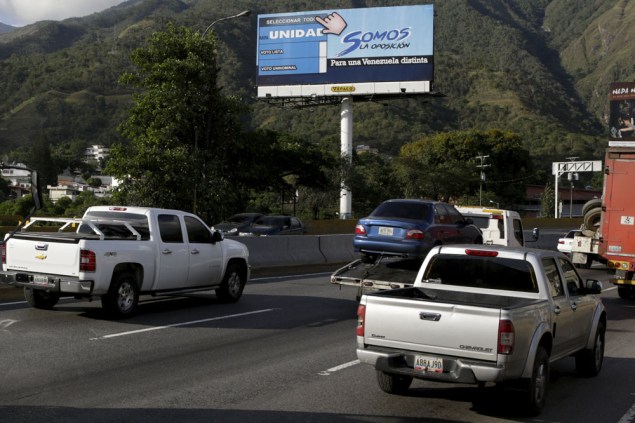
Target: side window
(518, 231)
(454, 216)
(553, 277)
(197, 232)
(440, 214)
(571, 278)
(295, 223)
(170, 228)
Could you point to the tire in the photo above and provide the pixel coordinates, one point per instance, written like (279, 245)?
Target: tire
(591, 204)
(589, 362)
(38, 298)
(625, 292)
(592, 218)
(536, 391)
(231, 289)
(393, 384)
(122, 298)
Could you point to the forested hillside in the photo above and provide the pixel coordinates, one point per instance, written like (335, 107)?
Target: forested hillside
(540, 68)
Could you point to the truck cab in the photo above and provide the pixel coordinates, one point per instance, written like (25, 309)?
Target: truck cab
(499, 227)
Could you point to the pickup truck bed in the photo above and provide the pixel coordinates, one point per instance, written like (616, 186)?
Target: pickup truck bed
(459, 298)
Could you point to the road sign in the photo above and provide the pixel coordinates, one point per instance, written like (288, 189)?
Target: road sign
(558, 168)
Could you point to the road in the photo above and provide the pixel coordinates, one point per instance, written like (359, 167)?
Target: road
(284, 353)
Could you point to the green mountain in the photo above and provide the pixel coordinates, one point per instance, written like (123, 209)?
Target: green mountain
(540, 68)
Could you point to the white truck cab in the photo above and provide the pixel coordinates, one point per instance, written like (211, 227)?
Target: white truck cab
(499, 227)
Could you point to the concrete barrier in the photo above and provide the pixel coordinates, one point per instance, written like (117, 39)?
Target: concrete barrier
(291, 250)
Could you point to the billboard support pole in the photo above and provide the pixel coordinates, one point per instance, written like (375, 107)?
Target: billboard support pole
(346, 150)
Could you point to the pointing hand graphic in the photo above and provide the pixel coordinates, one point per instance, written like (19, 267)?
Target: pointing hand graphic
(333, 23)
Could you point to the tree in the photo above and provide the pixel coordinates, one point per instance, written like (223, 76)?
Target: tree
(182, 130)
(447, 167)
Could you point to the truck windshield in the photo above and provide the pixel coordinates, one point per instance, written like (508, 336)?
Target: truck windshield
(482, 272)
(138, 221)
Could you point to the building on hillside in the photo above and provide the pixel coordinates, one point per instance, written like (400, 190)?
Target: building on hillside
(96, 154)
(71, 186)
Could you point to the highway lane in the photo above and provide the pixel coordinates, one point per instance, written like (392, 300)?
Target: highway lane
(285, 352)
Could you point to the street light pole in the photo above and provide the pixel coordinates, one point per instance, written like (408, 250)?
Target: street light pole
(239, 15)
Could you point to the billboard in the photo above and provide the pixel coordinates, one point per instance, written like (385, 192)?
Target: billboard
(622, 114)
(345, 52)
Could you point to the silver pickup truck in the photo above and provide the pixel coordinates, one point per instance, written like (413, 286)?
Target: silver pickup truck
(479, 314)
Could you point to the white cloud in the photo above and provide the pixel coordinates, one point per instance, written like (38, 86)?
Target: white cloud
(24, 12)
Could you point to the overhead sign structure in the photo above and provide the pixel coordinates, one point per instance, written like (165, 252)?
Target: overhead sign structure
(622, 114)
(346, 52)
(558, 168)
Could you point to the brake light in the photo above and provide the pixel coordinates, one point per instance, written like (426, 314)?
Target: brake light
(87, 262)
(506, 335)
(482, 253)
(117, 208)
(360, 230)
(415, 234)
(4, 252)
(361, 316)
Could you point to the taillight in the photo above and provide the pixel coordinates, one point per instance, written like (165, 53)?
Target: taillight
(4, 252)
(505, 337)
(360, 230)
(361, 316)
(87, 261)
(415, 234)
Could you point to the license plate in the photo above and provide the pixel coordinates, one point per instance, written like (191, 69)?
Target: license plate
(40, 280)
(428, 364)
(383, 230)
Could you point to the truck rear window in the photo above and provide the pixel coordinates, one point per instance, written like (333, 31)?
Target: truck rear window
(482, 272)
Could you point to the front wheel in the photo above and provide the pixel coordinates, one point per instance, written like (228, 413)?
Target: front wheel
(393, 384)
(231, 289)
(38, 298)
(589, 362)
(122, 297)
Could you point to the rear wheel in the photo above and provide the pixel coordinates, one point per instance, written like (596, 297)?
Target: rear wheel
(589, 362)
(122, 297)
(536, 392)
(625, 292)
(38, 298)
(393, 384)
(231, 289)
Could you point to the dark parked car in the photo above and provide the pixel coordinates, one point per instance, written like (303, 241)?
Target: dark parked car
(238, 223)
(410, 228)
(277, 225)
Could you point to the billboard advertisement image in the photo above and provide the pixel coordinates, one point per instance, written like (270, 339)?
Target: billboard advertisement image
(380, 50)
(622, 114)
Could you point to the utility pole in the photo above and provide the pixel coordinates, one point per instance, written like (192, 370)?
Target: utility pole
(482, 166)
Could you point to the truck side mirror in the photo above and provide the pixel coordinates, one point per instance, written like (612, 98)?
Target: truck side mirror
(535, 233)
(593, 286)
(35, 190)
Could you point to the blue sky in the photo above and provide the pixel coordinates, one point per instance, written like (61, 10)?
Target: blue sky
(25, 12)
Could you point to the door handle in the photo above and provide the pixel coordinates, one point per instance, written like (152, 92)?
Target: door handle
(166, 251)
(435, 317)
(194, 251)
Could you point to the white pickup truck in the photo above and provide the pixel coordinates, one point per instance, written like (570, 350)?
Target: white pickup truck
(118, 253)
(479, 314)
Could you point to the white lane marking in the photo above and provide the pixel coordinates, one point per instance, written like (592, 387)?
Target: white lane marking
(327, 372)
(6, 323)
(629, 417)
(193, 322)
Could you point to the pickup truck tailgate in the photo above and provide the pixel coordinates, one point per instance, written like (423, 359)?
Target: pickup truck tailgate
(60, 257)
(432, 327)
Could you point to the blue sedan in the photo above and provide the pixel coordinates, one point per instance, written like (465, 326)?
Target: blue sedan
(410, 228)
